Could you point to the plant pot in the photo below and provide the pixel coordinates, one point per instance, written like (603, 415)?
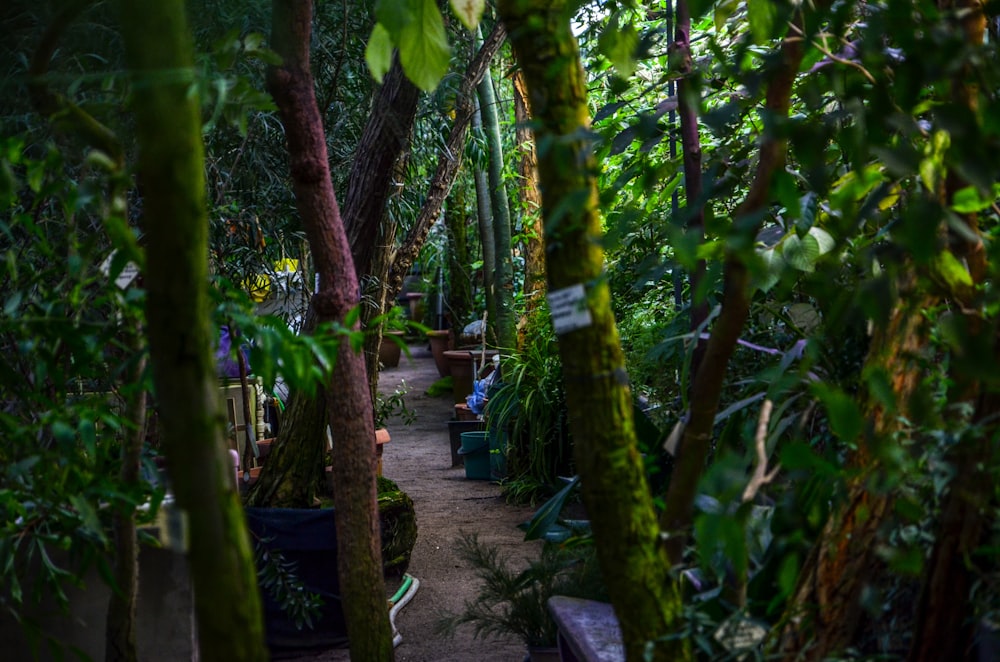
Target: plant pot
(308, 538)
(455, 430)
(463, 364)
(475, 452)
(415, 300)
(440, 342)
(498, 453)
(390, 351)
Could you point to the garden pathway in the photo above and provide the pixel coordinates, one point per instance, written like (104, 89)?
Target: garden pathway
(447, 504)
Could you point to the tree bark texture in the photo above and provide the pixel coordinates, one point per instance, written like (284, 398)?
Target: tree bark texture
(181, 339)
(708, 381)
(531, 199)
(687, 111)
(119, 639)
(632, 559)
(945, 625)
(504, 319)
(448, 162)
(487, 239)
(347, 397)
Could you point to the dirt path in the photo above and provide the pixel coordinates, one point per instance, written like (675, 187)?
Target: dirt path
(419, 459)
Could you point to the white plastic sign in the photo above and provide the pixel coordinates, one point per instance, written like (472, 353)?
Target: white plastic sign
(568, 308)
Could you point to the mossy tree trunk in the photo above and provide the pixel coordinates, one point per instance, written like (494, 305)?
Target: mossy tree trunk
(632, 559)
(171, 164)
(347, 397)
(484, 221)
(531, 198)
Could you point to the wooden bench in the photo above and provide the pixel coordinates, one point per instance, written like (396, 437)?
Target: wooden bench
(588, 630)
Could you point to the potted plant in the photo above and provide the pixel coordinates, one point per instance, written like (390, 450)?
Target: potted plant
(513, 603)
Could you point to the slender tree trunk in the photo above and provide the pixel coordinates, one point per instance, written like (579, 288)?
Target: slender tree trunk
(687, 109)
(347, 397)
(119, 639)
(449, 161)
(632, 559)
(531, 198)
(171, 163)
(487, 238)
(503, 318)
(707, 387)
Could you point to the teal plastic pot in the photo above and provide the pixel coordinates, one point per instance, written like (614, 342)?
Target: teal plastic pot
(498, 454)
(475, 451)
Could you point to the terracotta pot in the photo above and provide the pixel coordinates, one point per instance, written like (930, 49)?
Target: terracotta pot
(464, 363)
(440, 343)
(389, 352)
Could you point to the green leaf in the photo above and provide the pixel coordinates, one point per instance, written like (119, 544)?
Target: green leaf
(723, 11)
(842, 411)
(378, 52)
(547, 515)
(619, 45)
(423, 46)
(469, 12)
(824, 240)
(761, 14)
(801, 253)
(968, 201)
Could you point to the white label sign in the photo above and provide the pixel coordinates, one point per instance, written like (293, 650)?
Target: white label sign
(125, 278)
(568, 308)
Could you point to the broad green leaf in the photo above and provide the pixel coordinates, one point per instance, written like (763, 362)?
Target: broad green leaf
(395, 15)
(378, 52)
(801, 252)
(761, 15)
(469, 12)
(823, 238)
(842, 411)
(423, 46)
(775, 264)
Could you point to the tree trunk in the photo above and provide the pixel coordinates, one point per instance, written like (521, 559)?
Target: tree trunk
(347, 397)
(448, 162)
(371, 232)
(119, 639)
(181, 338)
(487, 238)
(707, 387)
(945, 626)
(632, 560)
(531, 199)
(503, 318)
(459, 277)
(687, 109)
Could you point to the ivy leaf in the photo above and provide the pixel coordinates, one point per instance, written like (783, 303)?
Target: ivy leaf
(469, 12)
(378, 52)
(423, 46)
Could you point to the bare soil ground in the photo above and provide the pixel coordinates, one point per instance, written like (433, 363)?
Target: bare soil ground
(447, 504)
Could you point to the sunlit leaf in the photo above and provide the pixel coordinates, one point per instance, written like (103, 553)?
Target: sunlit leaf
(423, 46)
(378, 52)
(469, 12)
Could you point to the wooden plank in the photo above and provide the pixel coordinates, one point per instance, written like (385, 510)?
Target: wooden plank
(588, 630)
